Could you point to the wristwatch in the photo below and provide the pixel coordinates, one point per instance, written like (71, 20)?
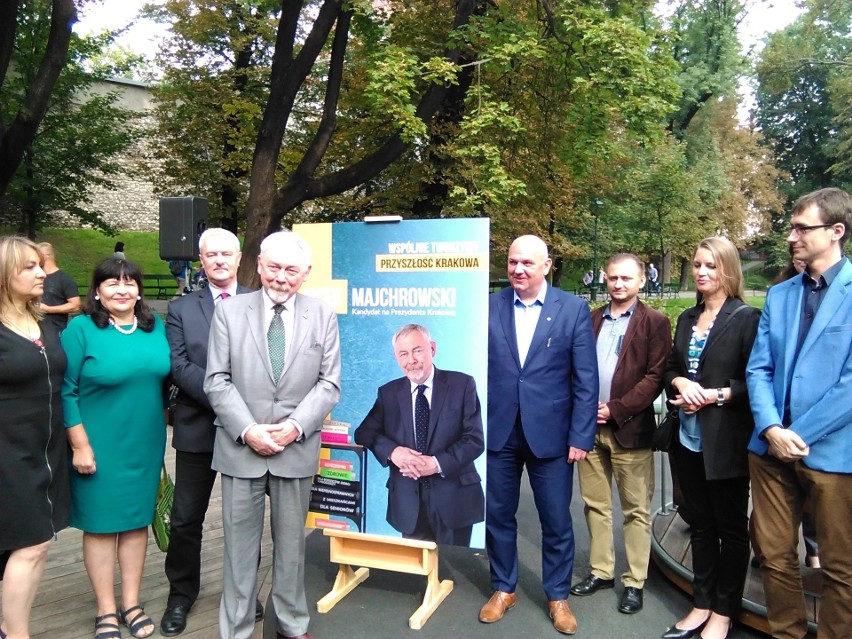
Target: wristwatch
(720, 397)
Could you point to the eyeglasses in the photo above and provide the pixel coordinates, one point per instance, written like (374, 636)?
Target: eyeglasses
(801, 229)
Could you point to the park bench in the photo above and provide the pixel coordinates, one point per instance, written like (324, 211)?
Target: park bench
(671, 289)
(161, 286)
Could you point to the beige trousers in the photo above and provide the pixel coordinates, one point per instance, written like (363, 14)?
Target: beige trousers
(633, 470)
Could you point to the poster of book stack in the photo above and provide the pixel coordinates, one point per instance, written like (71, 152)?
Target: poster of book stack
(337, 495)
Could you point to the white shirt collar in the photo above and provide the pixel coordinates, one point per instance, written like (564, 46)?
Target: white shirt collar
(542, 292)
(428, 383)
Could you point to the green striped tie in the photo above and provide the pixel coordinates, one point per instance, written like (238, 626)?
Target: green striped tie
(277, 341)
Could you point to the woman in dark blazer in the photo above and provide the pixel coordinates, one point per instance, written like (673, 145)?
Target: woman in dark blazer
(705, 378)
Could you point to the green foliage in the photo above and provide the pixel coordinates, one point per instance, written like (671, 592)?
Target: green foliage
(803, 97)
(82, 135)
(209, 102)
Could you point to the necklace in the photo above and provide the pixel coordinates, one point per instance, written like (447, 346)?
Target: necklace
(28, 333)
(125, 331)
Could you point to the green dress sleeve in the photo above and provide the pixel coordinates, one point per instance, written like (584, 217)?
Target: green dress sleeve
(73, 340)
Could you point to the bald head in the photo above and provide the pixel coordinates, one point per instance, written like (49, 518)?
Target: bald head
(529, 264)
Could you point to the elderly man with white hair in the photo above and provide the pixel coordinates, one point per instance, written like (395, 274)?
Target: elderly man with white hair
(273, 374)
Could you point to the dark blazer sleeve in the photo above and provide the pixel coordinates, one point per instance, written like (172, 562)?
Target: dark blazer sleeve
(585, 386)
(188, 375)
(371, 432)
(644, 376)
(463, 450)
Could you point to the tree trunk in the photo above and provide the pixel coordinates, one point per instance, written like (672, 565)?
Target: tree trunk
(684, 273)
(20, 134)
(267, 205)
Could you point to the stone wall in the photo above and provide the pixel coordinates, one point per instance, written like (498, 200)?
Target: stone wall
(133, 206)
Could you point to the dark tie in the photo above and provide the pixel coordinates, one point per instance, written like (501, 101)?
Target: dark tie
(421, 419)
(276, 339)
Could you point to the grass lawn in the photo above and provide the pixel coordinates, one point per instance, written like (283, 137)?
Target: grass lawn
(79, 250)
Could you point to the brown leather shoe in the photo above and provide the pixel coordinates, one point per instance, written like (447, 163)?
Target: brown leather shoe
(496, 607)
(563, 619)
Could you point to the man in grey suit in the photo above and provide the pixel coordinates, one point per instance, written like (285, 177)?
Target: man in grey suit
(273, 374)
(193, 431)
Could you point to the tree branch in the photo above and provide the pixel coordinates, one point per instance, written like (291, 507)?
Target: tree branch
(315, 152)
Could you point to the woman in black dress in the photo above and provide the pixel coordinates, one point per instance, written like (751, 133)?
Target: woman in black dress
(33, 462)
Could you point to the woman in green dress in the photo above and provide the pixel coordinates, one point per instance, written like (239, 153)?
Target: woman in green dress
(118, 364)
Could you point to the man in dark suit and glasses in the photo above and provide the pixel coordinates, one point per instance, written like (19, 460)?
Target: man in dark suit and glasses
(427, 428)
(542, 411)
(188, 329)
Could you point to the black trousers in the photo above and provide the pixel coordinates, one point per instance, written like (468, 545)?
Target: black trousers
(194, 479)
(717, 511)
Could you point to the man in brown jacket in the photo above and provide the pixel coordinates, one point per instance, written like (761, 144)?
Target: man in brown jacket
(633, 343)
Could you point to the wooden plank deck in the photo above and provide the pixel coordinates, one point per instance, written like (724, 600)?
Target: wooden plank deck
(65, 605)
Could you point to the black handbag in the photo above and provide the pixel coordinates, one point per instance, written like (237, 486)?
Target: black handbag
(667, 431)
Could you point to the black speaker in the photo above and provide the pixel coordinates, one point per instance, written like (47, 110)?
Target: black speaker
(182, 221)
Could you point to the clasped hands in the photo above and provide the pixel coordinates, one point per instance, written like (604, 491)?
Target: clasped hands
(413, 464)
(270, 439)
(786, 444)
(693, 396)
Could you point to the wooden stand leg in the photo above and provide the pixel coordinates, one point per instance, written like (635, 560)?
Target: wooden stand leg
(346, 581)
(399, 555)
(436, 592)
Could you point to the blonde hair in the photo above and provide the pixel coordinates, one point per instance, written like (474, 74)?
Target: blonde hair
(728, 267)
(13, 258)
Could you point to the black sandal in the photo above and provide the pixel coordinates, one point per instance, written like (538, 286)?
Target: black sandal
(106, 630)
(139, 621)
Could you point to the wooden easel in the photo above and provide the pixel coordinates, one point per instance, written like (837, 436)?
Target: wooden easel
(386, 553)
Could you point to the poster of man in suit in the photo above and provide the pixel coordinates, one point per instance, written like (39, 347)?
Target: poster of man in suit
(426, 428)
(381, 277)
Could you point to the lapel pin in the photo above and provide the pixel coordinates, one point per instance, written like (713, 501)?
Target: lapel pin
(548, 319)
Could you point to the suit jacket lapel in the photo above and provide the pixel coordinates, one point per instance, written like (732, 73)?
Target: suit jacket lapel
(548, 315)
(835, 298)
(720, 324)
(295, 343)
(255, 315)
(793, 315)
(632, 329)
(440, 389)
(406, 410)
(507, 321)
(205, 303)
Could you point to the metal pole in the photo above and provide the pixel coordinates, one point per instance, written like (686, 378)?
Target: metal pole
(595, 282)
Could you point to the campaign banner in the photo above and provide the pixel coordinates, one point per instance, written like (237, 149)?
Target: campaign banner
(382, 276)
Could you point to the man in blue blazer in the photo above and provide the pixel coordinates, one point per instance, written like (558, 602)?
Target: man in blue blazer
(434, 491)
(193, 430)
(542, 413)
(800, 384)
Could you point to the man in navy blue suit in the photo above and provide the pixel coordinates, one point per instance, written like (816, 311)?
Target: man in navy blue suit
(542, 413)
(434, 491)
(187, 330)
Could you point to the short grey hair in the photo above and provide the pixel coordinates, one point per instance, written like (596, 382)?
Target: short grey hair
(411, 328)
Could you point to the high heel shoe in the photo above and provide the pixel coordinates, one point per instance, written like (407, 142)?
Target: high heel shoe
(679, 633)
(727, 630)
